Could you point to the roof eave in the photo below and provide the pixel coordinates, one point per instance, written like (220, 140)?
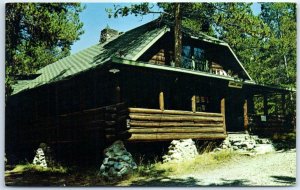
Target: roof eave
(119, 60)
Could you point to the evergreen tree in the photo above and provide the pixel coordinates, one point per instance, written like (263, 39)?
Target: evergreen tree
(176, 14)
(279, 52)
(265, 43)
(236, 24)
(38, 34)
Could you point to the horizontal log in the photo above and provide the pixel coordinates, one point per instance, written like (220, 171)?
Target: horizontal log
(173, 136)
(172, 118)
(177, 130)
(174, 124)
(175, 112)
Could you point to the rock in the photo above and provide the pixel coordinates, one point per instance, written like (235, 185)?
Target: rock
(118, 166)
(264, 148)
(245, 142)
(39, 158)
(126, 158)
(102, 168)
(117, 162)
(250, 146)
(217, 149)
(181, 150)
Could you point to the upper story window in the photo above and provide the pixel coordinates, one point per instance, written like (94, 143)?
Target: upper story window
(194, 58)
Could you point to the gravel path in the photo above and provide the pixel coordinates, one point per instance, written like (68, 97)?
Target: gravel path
(272, 169)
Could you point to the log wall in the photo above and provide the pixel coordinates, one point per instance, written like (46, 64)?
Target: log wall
(158, 125)
(90, 125)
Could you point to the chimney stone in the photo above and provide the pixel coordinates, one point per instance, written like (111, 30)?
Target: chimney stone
(107, 33)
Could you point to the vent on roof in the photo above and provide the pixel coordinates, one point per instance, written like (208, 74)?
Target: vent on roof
(107, 33)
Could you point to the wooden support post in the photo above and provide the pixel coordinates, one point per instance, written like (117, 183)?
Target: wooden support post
(265, 104)
(194, 104)
(283, 103)
(223, 114)
(246, 121)
(161, 101)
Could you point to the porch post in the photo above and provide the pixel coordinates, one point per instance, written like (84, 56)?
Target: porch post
(194, 103)
(246, 120)
(265, 104)
(161, 101)
(223, 114)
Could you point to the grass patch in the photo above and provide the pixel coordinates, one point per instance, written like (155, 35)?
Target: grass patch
(202, 162)
(205, 160)
(30, 168)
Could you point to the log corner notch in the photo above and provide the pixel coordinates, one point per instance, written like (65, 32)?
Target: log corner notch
(223, 114)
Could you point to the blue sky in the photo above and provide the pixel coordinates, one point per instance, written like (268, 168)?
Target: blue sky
(95, 19)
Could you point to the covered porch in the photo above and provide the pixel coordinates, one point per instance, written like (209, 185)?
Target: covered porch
(167, 103)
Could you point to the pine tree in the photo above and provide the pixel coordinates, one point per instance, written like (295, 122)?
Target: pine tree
(38, 34)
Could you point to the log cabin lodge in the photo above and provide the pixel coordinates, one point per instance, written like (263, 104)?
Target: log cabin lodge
(127, 87)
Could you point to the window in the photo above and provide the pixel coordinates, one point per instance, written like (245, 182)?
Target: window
(202, 103)
(186, 57)
(194, 58)
(201, 64)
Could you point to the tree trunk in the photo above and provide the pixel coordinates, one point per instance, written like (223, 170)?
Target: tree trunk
(178, 35)
(286, 67)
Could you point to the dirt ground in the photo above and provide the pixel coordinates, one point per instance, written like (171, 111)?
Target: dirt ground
(273, 169)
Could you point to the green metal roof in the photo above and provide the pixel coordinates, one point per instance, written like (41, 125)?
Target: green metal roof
(126, 45)
(129, 45)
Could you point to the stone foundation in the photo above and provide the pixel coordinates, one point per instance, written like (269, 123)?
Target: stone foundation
(247, 143)
(43, 156)
(117, 162)
(181, 150)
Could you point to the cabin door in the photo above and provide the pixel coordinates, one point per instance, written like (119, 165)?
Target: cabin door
(234, 110)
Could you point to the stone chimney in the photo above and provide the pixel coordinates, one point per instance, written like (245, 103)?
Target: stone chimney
(107, 33)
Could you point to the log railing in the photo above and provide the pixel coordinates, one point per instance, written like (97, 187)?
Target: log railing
(157, 124)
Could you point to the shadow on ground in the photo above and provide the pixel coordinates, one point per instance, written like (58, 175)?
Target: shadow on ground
(284, 179)
(235, 182)
(187, 182)
(31, 179)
